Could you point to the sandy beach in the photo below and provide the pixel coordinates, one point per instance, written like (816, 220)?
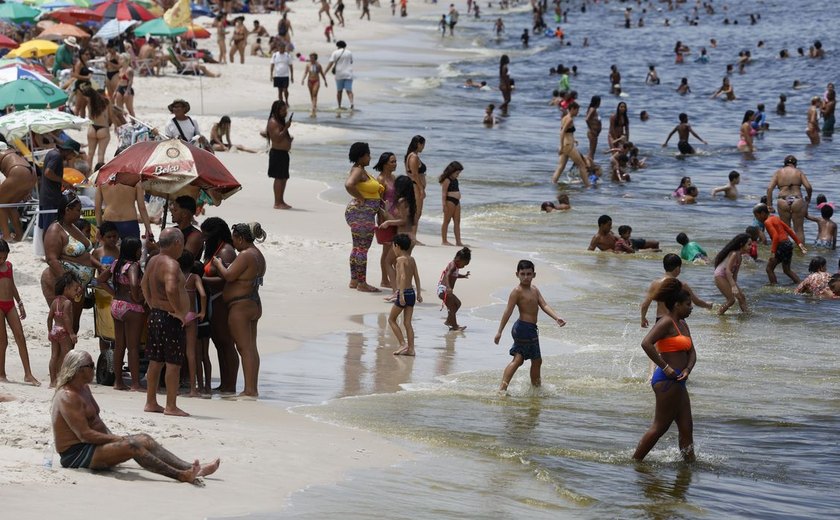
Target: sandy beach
(267, 452)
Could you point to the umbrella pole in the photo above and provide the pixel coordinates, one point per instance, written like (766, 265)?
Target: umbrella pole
(165, 209)
(201, 92)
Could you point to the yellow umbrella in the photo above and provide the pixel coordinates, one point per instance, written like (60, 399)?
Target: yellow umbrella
(34, 48)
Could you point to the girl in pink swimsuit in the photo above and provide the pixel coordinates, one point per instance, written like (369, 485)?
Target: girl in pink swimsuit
(128, 312)
(60, 321)
(727, 264)
(9, 315)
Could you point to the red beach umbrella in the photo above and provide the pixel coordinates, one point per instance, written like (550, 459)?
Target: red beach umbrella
(123, 10)
(8, 43)
(169, 169)
(73, 15)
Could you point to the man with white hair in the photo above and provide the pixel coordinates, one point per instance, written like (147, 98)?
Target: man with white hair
(83, 441)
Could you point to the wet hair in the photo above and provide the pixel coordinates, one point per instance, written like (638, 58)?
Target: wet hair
(748, 116)
(782, 97)
(402, 241)
(817, 264)
(450, 170)
(683, 181)
(504, 60)
(357, 151)
(752, 231)
(524, 264)
(545, 205)
(107, 227)
(621, 117)
(216, 232)
(130, 248)
(671, 292)
(734, 245)
(683, 117)
(186, 202)
(64, 281)
(682, 239)
(761, 209)
(624, 229)
(671, 261)
(595, 102)
(684, 81)
(826, 211)
(643, 115)
(383, 160)
(573, 106)
(404, 189)
(4, 246)
(603, 219)
(734, 175)
(692, 190)
(68, 198)
(563, 198)
(250, 232)
(760, 107)
(413, 145)
(464, 254)
(186, 261)
(790, 160)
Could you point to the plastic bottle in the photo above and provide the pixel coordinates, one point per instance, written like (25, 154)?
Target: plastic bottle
(48, 456)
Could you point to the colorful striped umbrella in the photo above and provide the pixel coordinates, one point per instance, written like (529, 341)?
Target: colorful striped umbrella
(74, 15)
(13, 72)
(113, 28)
(123, 10)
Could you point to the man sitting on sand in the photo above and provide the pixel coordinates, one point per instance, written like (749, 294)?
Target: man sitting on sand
(83, 440)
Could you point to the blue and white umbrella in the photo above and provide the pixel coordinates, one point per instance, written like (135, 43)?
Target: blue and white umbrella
(14, 72)
(114, 28)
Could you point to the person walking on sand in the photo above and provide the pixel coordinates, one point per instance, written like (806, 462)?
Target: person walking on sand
(341, 63)
(163, 289)
(220, 23)
(526, 342)
(83, 441)
(240, 39)
(313, 73)
(282, 72)
(406, 295)
(277, 131)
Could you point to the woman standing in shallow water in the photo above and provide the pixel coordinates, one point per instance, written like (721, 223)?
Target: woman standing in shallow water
(386, 166)
(505, 83)
(813, 131)
(790, 205)
(416, 171)
(593, 124)
(670, 347)
(619, 126)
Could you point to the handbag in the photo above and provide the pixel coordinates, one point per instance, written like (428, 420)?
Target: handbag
(336, 61)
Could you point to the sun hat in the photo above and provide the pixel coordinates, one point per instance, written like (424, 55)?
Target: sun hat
(71, 41)
(180, 102)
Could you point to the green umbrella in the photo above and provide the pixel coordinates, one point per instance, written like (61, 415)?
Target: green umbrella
(18, 13)
(26, 93)
(158, 27)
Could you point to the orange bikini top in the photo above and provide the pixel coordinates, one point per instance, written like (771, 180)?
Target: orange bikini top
(678, 343)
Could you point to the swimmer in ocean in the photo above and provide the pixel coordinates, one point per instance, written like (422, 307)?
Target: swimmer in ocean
(683, 129)
(730, 190)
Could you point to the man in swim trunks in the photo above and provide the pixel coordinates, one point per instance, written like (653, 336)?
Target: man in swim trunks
(683, 129)
(163, 287)
(83, 441)
(672, 264)
(781, 247)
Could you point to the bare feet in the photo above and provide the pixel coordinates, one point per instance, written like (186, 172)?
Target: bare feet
(457, 327)
(282, 206)
(175, 411)
(445, 243)
(189, 475)
(137, 388)
(209, 469)
(193, 393)
(405, 351)
(4, 379)
(120, 386)
(31, 380)
(385, 284)
(364, 287)
(156, 408)
(353, 284)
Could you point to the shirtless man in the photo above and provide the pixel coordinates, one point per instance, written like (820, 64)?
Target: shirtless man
(730, 191)
(604, 239)
(148, 54)
(120, 204)
(790, 206)
(673, 266)
(682, 130)
(83, 441)
(163, 289)
(278, 156)
(20, 180)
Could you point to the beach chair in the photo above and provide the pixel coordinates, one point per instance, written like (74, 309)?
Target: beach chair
(187, 67)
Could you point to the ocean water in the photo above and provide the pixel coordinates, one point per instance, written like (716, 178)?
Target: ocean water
(766, 389)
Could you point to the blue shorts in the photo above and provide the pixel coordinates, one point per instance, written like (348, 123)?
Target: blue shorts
(659, 376)
(344, 84)
(410, 298)
(128, 228)
(78, 455)
(526, 340)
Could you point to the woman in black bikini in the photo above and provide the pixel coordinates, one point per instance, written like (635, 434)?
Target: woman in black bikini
(112, 67)
(99, 134)
(416, 171)
(451, 195)
(82, 75)
(124, 95)
(241, 294)
(568, 147)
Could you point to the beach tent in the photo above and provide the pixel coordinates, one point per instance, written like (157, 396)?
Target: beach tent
(28, 93)
(18, 13)
(158, 27)
(34, 49)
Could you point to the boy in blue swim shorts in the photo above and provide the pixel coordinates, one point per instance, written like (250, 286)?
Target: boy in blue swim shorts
(526, 342)
(406, 296)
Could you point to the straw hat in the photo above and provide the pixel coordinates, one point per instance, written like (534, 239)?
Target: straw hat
(71, 41)
(180, 102)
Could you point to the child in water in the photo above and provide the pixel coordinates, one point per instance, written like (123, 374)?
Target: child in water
(406, 295)
(526, 343)
(60, 321)
(690, 196)
(8, 295)
(562, 204)
(727, 264)
(626, 244)
(691, 251)
(446, 286)
(730, 191)
(826, 228)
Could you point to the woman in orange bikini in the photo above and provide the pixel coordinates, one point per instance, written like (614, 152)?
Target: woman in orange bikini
(669, 346)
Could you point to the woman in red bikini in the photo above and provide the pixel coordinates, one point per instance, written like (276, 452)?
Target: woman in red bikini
(8, 295)
(669, 346)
